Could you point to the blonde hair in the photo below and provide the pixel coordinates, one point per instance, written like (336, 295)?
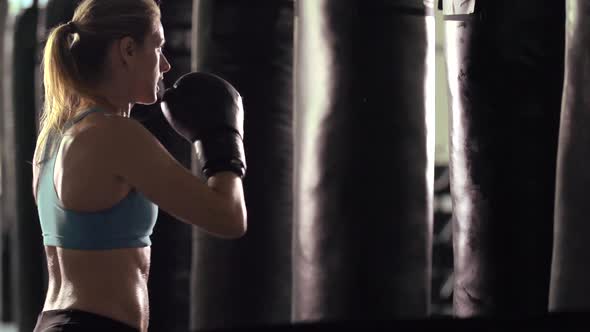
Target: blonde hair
(75, 55)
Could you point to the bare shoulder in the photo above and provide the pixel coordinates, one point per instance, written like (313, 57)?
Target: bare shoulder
(113, 137)
(107, 129)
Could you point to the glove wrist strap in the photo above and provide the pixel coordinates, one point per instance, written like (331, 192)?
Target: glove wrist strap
(223, 151)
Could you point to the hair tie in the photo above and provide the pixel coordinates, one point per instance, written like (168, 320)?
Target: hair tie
(72, 26)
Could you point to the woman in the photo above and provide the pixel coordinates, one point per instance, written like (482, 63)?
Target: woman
(99, 176)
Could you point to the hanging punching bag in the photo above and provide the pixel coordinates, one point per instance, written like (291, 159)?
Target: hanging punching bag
(4, 248)
(570, 276)
(247, 281)
(364, 157)
(26, 247)
(505, 72)
(58, 12)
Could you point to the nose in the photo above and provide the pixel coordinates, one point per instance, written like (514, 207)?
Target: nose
(165, 65)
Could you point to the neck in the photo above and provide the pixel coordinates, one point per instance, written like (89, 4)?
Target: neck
(107, 106)
(114, 98)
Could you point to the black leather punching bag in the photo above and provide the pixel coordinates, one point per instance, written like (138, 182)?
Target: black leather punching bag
(364, 157)
(4, 226)
(247, 281)
(570, 277)
(26, 244)
(505, 73)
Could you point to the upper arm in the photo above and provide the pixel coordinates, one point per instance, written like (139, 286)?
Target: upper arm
(135, 155)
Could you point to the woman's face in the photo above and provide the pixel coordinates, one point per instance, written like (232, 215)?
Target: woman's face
(150, 68)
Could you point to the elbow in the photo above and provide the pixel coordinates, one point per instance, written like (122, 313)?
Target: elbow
(236, 235)
(238, 226)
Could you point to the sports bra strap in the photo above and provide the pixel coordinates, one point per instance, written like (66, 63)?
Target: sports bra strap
(82, 115)
(53, 135)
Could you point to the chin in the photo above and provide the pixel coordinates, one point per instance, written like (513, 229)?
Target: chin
(148, 101)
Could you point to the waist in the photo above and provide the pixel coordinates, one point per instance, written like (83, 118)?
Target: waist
(127, 303)
(112, 283)
(81, 266)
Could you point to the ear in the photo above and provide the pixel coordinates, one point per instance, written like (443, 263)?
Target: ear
(127, 50)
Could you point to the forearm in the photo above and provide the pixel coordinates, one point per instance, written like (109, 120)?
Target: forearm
(229, 186)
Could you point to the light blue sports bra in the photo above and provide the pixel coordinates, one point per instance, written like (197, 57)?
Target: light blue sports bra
(127, 224)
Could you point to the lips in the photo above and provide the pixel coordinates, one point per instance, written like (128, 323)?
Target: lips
(160, 89)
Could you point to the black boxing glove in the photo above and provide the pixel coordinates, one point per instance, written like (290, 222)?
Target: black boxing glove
(207, 111)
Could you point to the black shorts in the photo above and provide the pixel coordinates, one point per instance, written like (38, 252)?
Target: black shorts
(73, 320)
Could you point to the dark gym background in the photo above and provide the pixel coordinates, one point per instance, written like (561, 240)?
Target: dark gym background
(176, 18)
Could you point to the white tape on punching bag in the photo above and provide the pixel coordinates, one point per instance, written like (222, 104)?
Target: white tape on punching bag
(458, 7)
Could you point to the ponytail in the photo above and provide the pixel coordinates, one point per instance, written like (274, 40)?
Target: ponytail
(60, 79)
